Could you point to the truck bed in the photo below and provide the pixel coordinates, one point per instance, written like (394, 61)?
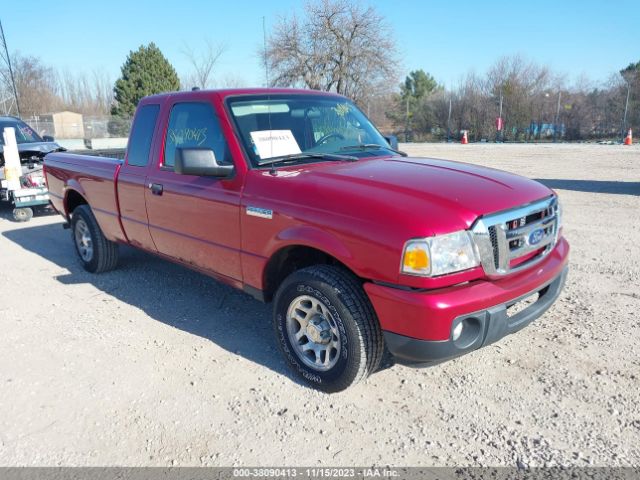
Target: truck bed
(118, 153)
(94, 177)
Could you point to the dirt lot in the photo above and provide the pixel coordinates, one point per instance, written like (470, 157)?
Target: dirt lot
(153, 364)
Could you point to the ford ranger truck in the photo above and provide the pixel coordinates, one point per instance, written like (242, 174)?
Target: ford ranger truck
(296, 198)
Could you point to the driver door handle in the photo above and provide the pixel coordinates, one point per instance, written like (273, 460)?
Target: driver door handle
(156, 188)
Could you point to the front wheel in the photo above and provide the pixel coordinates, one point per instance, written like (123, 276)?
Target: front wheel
(326, 327)
(96, 252)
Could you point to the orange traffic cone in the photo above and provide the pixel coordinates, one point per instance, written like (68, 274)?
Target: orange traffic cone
(465, 139)
(628, 140)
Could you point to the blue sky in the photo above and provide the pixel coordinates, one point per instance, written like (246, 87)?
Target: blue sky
(447, 39)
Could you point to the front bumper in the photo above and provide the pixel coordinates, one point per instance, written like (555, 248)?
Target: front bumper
(487, 326)
(417, 325)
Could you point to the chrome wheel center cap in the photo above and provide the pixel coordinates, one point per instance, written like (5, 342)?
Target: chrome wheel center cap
(318, 330)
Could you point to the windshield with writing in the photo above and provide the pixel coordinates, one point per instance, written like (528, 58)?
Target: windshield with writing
(273, 126)
(24, 133)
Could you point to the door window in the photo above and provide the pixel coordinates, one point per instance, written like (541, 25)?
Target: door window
(194, 125)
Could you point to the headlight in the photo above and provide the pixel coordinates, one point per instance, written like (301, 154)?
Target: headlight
(558, 211)
(433, 256)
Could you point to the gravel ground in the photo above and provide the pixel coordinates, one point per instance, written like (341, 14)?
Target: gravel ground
(153, 364)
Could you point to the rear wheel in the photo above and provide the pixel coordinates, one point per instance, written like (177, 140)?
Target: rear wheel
(96, 253)
(22, 214)
(326, 327)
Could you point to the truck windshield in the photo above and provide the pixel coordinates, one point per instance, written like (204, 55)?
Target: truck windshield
(24, 133)
(273, 126)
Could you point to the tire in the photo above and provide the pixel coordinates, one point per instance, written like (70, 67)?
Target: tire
(96, 253)
(22, 214)
(326, 328)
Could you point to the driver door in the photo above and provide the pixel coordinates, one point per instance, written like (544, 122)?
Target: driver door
(195, 219)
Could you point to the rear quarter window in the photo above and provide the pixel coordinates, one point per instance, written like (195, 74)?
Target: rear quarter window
(142, 135)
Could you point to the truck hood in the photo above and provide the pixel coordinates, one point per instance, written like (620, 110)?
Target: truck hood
(448, 195)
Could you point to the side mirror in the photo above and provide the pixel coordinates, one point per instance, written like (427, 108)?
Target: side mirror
(392, 140)
(201, 162)
(48, 138)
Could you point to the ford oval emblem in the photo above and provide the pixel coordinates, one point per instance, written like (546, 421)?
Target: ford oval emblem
(536, 236)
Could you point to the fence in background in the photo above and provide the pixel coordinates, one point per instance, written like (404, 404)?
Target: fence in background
(74, 126)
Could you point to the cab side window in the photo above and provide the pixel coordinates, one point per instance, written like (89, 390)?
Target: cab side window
(142, 135)
(194, 125)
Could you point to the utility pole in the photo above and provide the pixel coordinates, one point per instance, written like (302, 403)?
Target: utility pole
(406, 127)
(449, 121)
(500, 132)
(626, 107)
(555, 124)
(7, 59)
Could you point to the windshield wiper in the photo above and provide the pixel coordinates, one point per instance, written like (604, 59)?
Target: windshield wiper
(302, 156)
(372, 146)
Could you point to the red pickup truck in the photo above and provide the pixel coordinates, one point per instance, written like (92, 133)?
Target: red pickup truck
(294, 196)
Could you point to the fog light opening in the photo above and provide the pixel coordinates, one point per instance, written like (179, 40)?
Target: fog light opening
(457, 331)
(466, 332)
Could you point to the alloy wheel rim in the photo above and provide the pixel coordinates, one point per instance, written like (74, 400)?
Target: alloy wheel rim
(313, 333)
(83, 240)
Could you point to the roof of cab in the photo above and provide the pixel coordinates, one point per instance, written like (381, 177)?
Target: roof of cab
(228, 92)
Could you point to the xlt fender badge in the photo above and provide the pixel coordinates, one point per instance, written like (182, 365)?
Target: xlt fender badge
(260, 212)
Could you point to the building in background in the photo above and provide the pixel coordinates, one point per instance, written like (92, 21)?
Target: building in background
(58, 124)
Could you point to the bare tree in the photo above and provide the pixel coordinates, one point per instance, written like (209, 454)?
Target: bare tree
(231, 81)
(86, 94)
(203, 63)
(102, 90)
(42, 89)
(337, 46)
(527, 90)
(36, 85)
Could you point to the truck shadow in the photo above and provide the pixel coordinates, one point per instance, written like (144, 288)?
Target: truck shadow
(592, 186)
(168, 293)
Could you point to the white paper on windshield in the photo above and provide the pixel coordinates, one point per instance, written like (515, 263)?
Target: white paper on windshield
(274, 143)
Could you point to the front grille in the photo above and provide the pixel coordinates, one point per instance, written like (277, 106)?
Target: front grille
(515, 239)
(494, 245)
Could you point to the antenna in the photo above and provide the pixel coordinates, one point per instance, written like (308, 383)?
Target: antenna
(7, 59)
(272, 171)
(264, 42)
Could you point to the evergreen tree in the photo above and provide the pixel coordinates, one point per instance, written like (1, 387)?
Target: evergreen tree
(145, 72)
(417, 86)
(412, 111)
